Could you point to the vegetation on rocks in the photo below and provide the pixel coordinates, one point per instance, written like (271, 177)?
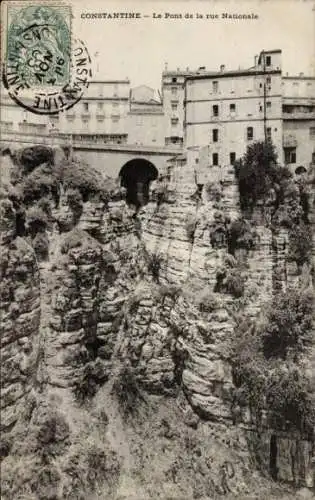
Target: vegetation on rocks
(266, 363)
(257, 173)
(126, 390)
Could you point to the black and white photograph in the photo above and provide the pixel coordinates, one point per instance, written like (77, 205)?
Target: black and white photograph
(157, 208)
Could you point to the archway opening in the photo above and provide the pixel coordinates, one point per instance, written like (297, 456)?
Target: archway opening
(136, 176)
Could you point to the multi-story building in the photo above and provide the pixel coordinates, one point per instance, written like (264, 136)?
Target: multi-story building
(173, 96)
(227, 110)
(101, 115)
(298, 113)
(145, 121)
(213, 115)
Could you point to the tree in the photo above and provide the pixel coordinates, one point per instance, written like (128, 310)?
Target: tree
(257, 172)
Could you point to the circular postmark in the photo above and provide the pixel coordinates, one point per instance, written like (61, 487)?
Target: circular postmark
(45, 71)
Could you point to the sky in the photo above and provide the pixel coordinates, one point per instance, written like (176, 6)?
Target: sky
(139, 48)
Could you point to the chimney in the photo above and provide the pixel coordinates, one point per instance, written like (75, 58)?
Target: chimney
(256, 60)
(222, 68)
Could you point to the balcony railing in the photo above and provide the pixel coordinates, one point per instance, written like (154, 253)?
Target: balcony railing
(298, 115)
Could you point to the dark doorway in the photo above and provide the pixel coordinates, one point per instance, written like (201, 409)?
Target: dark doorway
(273, 457)
(136, 176)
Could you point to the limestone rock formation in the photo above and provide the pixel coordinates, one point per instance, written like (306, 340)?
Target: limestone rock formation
(117, 337)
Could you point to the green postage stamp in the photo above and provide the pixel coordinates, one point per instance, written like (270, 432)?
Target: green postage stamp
(44, 69)
(39, 43)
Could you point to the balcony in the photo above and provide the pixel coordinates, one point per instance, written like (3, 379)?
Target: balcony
(100, 117)
(70, 116)
(85, 115)
(298, 115)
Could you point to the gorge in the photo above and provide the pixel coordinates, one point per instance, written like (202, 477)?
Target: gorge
(165, 351)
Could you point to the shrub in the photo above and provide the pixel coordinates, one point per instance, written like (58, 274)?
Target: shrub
(206, 301)
(41, 183)
(34, 156)
(300, 244)
(90, 182)
(214, 191)
(172, 291)
(89, 469)
(75, 201)
(230, 281)
(77, 238)
(36, 220)
(269, 384)
(240, 235)
(249, 369)
(289, 401)
(91, 376)
(219, 230)
(41, 246)
(126, 390)
(289, 324)
(154, 265)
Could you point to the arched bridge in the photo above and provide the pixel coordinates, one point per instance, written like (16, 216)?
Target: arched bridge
(136, 165)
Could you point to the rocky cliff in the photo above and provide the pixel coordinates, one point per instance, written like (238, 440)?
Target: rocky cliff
(118, 332)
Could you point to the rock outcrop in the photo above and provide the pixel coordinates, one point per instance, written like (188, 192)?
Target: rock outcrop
(118, 311)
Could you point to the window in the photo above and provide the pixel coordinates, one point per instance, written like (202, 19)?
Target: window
(100, 105)
(174, 80)
(250, 133)
(115, 104)
(215, 87)
(174, 90)
(289, 155)
(215, 135)
(260, 107)
(86, 106)
(215, 110)
(268, 104)
(232, 108)
(313, 157)
(232, 158)
(174, 106)
(312, 131)
(215, 159)
(115, 118)
(174, 121)
(268, 80)
(268, 60)
(268, 133)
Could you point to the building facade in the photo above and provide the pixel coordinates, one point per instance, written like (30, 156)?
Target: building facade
(225, 111)
(211, 115)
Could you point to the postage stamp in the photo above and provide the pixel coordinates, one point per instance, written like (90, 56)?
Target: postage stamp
(39, 43)
(45, 70)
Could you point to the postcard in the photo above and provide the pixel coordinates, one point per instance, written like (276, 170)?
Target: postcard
(157, 249)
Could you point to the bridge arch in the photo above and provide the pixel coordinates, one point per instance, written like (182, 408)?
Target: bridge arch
(135, 176)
